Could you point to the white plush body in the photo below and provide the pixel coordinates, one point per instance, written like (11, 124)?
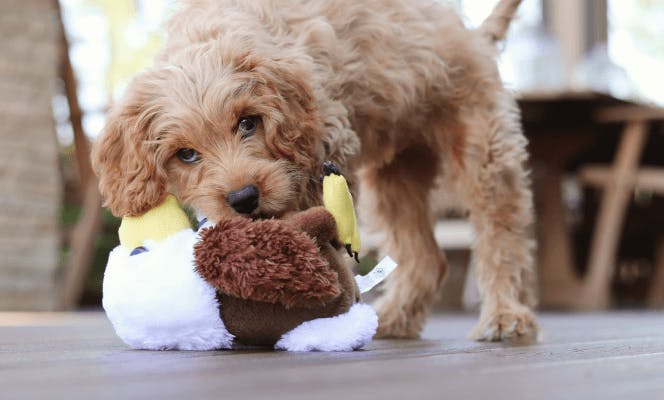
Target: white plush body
(156, 301)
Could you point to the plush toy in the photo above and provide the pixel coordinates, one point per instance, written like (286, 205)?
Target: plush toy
(338, 200)
(269, 282)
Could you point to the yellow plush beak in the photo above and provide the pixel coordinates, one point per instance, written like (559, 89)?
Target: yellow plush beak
(157, 224)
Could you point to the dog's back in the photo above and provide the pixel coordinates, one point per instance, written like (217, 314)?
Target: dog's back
(392, 63)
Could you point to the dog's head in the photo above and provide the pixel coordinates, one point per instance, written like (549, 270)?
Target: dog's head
(226, 130)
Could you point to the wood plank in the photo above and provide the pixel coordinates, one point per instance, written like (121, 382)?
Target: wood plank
(549, 95)
(645, 178)
(77, 356)
(624, 113)
(451, 234)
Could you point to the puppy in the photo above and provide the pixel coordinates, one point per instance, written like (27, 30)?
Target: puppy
(249, 98)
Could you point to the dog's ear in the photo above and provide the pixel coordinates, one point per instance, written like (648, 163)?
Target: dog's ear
(297, 134)
(131, 178)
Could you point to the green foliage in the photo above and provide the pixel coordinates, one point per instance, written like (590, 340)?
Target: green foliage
(69, 214)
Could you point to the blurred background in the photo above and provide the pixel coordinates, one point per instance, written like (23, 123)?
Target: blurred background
(587, 74)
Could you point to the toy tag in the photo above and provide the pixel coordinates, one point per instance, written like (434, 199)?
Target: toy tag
(376, 275)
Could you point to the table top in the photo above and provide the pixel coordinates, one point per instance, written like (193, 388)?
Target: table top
(77, 356)
(568, 94)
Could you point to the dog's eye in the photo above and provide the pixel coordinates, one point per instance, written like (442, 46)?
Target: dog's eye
(188, 156)
(247, 126)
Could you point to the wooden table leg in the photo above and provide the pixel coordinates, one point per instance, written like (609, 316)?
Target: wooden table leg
(559, 283)
(616, 197)
(656, 292)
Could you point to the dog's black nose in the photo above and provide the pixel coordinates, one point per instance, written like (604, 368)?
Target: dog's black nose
(244, 200)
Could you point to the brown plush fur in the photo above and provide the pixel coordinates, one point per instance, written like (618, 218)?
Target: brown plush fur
(268, 261)
(273, 275)
(398, 91)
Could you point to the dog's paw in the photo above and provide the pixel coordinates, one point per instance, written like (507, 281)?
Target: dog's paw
(396, 323)
(513, 326)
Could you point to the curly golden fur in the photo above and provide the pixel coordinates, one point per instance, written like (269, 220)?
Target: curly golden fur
(399, 93)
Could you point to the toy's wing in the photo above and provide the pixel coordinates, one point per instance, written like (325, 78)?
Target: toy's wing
(339, 201)
(267, 261)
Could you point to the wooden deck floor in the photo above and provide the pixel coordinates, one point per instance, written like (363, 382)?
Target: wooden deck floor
(582, 356)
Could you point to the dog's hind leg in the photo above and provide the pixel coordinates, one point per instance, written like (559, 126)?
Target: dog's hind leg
(398, 194)
(494, 184)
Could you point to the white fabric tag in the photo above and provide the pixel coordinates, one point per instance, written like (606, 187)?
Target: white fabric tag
(376, 275)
